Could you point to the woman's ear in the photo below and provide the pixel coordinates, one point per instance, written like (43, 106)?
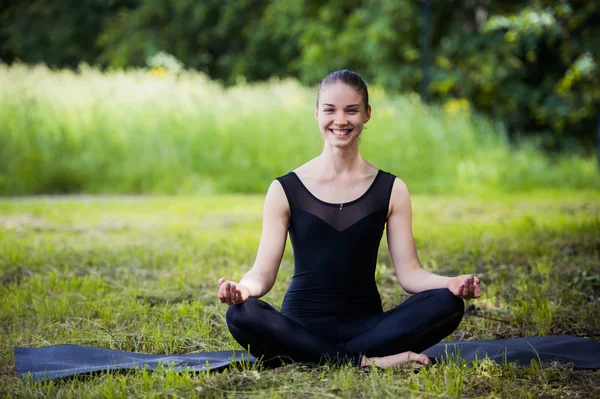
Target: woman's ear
(368, 114)
(317, 112)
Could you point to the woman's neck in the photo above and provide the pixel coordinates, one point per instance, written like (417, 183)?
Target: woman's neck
(339, 161)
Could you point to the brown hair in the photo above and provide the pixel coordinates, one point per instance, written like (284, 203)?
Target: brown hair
(348, 78)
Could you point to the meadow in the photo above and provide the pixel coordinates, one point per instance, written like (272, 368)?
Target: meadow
(156, 132)
(139, 273)
(118, 261)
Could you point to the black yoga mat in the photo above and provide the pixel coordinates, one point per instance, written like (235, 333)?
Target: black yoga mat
(582, 353)
(52, 362)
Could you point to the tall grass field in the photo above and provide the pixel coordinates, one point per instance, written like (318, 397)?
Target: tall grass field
(143, 131)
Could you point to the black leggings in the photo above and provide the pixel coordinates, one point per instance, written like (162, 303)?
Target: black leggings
(415, 325)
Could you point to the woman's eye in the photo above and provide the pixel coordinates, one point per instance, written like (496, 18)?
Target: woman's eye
(328, 110)
(352, 111)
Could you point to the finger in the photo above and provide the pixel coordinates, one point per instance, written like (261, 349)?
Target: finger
(460, 290)
(221, 294)
(468, 290)
(224, 293)
(234, 294)
(228, 292)
(239, 294)
(471, 285)
(221, 281)
(476, 288)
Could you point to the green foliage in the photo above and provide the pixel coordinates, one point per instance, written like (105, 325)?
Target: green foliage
(209, 36)
(57, 33)
(534, 67)
(151, 131)
(544, 76)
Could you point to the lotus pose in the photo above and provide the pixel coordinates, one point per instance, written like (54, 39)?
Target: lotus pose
(335, 208)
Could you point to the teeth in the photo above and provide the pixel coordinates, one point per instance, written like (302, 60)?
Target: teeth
(340, 132)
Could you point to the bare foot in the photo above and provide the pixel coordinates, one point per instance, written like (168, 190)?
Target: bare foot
(404, 359)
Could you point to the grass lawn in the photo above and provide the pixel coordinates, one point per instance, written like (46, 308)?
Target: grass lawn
(140, 273)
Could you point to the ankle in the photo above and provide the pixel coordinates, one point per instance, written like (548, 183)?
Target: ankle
(365, 361)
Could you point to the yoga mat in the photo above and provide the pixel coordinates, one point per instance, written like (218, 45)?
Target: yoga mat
(52, 362)
(58, 361)
(582, 353)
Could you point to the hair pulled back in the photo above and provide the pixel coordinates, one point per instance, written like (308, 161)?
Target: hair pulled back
(348, 78)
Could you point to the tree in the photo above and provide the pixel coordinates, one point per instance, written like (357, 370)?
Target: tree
(60, 33)
(533, 67)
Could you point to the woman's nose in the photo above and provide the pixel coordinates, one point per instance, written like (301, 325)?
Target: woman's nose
(340, 121)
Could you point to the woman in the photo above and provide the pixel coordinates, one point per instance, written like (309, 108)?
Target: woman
(335, 208)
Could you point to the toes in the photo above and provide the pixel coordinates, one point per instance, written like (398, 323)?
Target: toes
(418, 358)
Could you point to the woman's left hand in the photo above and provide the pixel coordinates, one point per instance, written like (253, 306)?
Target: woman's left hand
(465, 286)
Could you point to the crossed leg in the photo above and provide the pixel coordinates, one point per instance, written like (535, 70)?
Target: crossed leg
(418, 323)
(272, 336)
(415, 325)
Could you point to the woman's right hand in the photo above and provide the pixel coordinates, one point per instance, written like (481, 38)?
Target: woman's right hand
(465, 286)
(232, 293)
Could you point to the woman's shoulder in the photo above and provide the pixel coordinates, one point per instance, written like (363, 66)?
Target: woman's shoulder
(307, 169)
(293, 175)
(276, 197)
(399, 194)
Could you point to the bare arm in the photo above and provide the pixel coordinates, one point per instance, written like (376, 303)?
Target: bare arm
(411, 276)
(259, 280)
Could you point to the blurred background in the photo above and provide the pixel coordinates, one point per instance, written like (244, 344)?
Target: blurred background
(214, 96)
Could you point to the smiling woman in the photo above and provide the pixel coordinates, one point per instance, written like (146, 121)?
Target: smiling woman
(335, 208)
(343, 113)
(345, 108)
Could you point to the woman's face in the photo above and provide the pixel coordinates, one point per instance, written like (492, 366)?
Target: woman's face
(341, 114)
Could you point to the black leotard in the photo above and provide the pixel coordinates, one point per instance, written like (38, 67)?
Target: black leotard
(332, 309)
(335, 250)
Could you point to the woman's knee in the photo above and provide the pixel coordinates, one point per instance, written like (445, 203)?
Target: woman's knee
(240, 315)
(448, 303)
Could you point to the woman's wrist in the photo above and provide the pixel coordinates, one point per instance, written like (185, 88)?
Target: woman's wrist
(448, 281)
(253, 285)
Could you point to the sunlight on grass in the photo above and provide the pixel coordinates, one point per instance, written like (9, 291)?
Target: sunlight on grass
(134, 132)
(139, 274)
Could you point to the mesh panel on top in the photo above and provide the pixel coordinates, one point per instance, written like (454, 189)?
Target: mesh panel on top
(339, 217)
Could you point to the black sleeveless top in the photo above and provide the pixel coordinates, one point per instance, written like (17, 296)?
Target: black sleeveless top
(335, 250)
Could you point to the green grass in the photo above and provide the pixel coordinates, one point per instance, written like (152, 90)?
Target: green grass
(139, 274)
(139, 132)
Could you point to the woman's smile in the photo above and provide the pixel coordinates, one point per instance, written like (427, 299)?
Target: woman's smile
(340, 132)
(341, 113)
